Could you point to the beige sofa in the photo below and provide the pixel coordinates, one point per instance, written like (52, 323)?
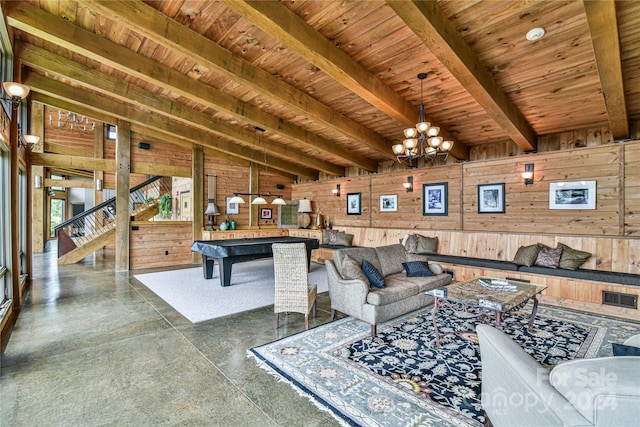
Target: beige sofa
(357, 298)
(518, 391)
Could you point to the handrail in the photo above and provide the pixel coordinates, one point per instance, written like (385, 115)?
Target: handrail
(96, 221)
(103, 205)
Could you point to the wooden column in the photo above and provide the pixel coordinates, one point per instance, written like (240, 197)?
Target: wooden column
(38, 227)
(123, 172)
(98, 153)
(14, 208)
(197, 188)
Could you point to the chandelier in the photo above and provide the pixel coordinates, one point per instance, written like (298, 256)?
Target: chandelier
(422, 141)
(259, 198)
(73, 120)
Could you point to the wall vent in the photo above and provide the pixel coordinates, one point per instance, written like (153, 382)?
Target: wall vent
(619, 299)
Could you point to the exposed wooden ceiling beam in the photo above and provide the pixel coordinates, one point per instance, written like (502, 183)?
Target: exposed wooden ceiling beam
(428, 22)
(83, 75)
(284, 25)
(48, 27)
(126, 112)
(603, 26)
(73, 162)
(163, 30)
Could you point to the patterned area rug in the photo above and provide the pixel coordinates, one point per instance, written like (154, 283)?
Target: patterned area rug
(399, 378)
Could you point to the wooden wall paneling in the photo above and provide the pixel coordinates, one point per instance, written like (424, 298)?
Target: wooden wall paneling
(198, 185)
(160, 244)
(632, 189)
(38, 229)
(231, 177)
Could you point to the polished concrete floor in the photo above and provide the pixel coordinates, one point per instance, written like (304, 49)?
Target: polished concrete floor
(96, 347)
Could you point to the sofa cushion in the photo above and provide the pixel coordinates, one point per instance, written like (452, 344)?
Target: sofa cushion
(436, 268)
(396, 289)
(391, 258)
(358, 253)
(410, 242)
(416, 257)
(344, 239)
(375, 277)
(417, 269)
(351, 270)
(600, 387)
(571, 259)
(548, 257)
(527, 255)
(625, 350)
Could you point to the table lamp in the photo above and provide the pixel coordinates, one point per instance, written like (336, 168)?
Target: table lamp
(304, 207)
(212, 211)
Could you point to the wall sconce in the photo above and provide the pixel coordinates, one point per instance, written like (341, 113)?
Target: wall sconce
(98, 184)
(336, 191)
(37, 181)
(16, 92)
(408, 185)
(527, 175)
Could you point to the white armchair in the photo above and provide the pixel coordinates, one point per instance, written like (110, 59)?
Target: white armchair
(518, 391)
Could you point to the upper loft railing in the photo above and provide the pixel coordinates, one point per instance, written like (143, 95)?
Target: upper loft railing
(93, 222)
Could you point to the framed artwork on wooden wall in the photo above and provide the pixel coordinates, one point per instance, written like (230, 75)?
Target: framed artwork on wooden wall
(389, 203)
(265, 213)
(232, 208)
(434, 199)
(491, 198)
(572, 195)
(354, 203)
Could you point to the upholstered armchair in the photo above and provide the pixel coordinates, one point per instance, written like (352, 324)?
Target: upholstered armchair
(518, 391)
(293, 292)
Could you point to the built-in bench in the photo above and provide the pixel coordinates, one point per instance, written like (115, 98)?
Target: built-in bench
(604, 284)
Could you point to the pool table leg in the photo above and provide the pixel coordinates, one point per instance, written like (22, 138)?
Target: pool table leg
(207, 266)
(224, 266)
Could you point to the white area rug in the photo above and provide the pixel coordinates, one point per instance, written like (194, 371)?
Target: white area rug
(198, 299)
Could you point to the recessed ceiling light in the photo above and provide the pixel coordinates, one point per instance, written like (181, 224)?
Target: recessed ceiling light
(535, 34)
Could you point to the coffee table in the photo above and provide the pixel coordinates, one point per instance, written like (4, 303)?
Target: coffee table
(491, 296)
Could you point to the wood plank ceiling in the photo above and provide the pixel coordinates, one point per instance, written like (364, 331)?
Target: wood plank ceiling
(333, 83)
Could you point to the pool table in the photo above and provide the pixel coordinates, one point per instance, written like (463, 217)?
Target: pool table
(231, 251)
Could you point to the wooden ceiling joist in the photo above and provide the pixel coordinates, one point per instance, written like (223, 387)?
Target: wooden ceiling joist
(125, 112)
(92, 79)
(165, 31)
(39, 23)
(603, 25)
(428, 22)
(281, 23)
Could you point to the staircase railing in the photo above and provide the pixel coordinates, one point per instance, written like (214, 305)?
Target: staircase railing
(93, 222)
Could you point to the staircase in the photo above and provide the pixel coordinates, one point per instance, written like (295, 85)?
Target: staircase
(95, 228)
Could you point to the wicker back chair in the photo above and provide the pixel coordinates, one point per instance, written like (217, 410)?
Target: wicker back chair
(293, 290)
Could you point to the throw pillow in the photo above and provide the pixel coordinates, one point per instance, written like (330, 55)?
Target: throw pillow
(548, 257)
(572, 259)
(436, 268)
(411, 245)
(343, 239)
(375, 278)
(351, 270)
(427, 245)
(527, 255)
(333, 237)
(417, 269)
(625, 350)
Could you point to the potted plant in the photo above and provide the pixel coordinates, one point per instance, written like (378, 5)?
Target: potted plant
(164, 206)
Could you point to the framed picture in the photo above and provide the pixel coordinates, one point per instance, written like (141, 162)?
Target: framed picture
(354, 203)
(232, 208)
(265, 213)
(491, 198)
(572, 195)
(389, 203)
(434, 199)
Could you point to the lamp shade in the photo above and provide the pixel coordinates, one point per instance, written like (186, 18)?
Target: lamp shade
(278, 201)
(16, 90)
(236, 199)
(304, 205)
(212, 209)
(259, 201)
